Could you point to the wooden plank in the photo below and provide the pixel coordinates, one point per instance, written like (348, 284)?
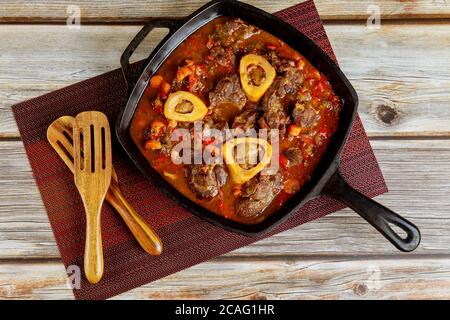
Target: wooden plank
(397, 74)
(416, 171)
(264, 279)
(400, 72)
(137, 11)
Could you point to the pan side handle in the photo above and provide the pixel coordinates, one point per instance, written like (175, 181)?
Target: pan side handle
(376, 214)
(171, 24)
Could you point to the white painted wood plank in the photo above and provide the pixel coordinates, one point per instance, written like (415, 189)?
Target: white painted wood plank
(417, 173)
(400, 72)
(267, 279)
(139, 10)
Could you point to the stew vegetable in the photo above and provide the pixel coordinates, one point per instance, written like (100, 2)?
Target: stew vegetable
(232, 75)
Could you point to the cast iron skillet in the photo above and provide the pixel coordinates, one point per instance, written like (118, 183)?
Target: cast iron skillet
(326, 179)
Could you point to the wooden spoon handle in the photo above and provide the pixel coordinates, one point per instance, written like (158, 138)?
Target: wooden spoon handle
(93, 251)
(143, 233)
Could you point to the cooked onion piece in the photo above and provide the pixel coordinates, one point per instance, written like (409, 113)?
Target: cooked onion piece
(238, 174)
(257, 74)
(185, 107)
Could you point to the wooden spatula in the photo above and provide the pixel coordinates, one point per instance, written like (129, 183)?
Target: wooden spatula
(92, 166)
(60, 136)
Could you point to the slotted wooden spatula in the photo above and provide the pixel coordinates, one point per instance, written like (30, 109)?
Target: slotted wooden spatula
(92, 166)
(60, 136)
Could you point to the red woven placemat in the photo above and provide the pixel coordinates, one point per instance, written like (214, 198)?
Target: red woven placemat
(187, 239)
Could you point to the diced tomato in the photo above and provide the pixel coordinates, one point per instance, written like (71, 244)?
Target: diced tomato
(282, 197)
(271, 46)
(284, 162)
(158, 108)
(320, 87)
(324, 132)
(208, 140)
(307, 139)
(157, 105)
(193, 81)
(335, 100)
(312, 82)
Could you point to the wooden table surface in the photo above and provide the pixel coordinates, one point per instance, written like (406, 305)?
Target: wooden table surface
(402, 74)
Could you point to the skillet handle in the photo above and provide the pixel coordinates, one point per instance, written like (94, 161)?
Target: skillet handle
(374, 213)
(129, 75)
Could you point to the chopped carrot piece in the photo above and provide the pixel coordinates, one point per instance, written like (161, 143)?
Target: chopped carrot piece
(164, 90)
(183, 72)
(294, 130)
(155, 81)
(158, 124)
(153, 145)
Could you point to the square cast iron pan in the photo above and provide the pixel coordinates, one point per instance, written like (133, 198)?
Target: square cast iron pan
(326, 178)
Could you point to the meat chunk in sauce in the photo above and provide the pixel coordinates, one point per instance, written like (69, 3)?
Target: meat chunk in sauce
(281, 65)
(227, 99)
(209, 123)
(224, 57)
(234, 31)
(191, 77)
(294, 156)
(246, 120)
(306, 117)
(257, 194)
(166, 143)
(221, 175)
(206, 180)
(276, 99)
